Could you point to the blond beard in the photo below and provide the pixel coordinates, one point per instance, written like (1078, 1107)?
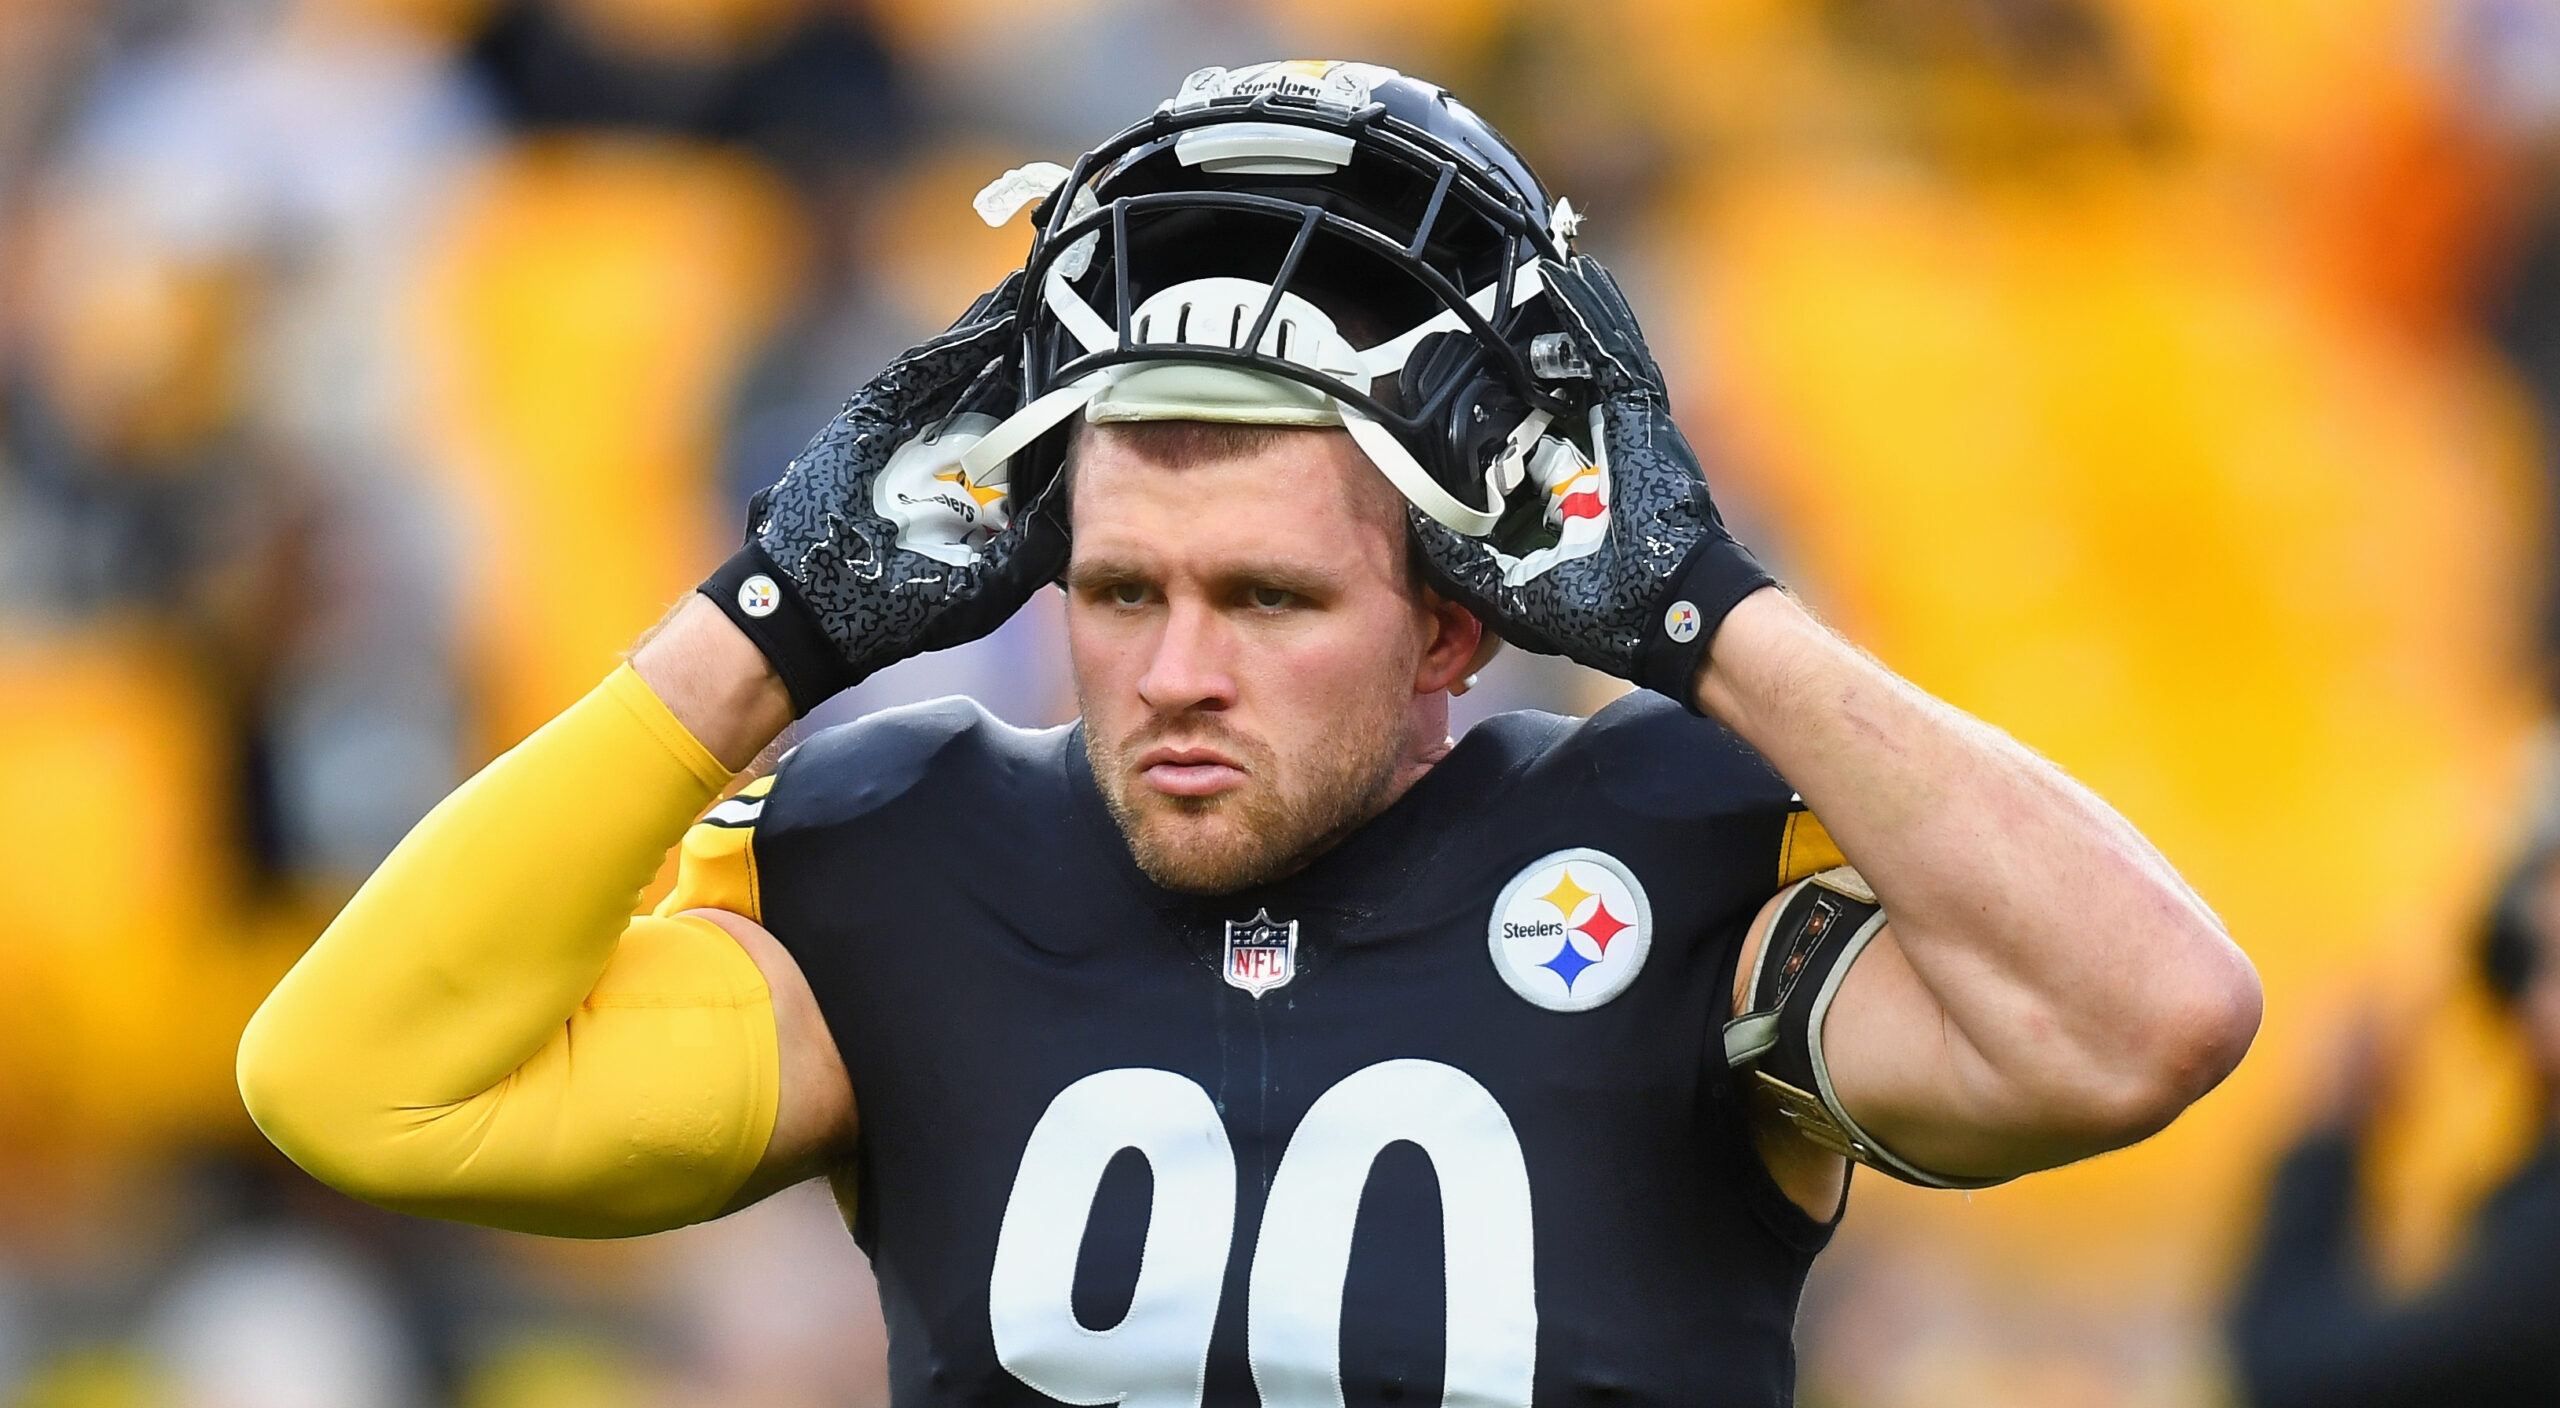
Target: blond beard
(1258, 833)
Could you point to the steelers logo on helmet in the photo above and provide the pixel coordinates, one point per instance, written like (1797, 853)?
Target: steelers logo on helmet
(1571, 930)
(1323, 244)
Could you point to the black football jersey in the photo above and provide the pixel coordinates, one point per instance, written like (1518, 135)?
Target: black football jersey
(1442, 1118)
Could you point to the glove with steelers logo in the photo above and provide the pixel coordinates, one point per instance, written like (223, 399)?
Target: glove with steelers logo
(875, 544)
(1642, 571)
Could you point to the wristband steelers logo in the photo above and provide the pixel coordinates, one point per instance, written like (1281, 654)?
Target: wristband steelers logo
(1571, 931)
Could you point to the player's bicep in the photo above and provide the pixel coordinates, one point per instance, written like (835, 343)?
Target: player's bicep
(648, 1108)
(719, 884)
(1907, 1074)
(813, 1123)
(697, 1077)
(1887, 1048)
(1844, 1046)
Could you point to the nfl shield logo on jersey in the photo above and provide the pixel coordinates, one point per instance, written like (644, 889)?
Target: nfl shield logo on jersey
(1262, 952)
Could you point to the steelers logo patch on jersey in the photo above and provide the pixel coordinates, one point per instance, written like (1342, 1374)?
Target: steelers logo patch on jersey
(1570, 932)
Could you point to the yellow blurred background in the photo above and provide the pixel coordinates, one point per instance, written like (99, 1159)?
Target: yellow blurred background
(2166, 382)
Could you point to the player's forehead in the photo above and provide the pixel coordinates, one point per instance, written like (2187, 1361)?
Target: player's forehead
(1143, 493)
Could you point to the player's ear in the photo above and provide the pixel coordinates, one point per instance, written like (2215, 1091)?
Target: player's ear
(1488, 645)
(1460, 646)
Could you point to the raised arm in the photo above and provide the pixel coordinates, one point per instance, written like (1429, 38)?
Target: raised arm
(486, 1033)
(2046, 987)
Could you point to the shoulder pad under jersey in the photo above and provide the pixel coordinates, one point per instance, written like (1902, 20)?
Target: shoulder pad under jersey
(1656, 759)
(849, 771)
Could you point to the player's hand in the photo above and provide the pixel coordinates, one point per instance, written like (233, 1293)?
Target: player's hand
(1642, 598)
(875, 545)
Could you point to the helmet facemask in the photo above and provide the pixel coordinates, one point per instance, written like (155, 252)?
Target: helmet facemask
(1256, 255)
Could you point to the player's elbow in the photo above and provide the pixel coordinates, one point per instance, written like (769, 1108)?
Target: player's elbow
(2208, 1016)
(274, 1092)
(273, 1077)
(357, 1145)
(2195, 1019)
(299, 1099)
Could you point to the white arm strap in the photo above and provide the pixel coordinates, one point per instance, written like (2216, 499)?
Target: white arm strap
(1410, 478)
(1027, 425)
(1390, 355)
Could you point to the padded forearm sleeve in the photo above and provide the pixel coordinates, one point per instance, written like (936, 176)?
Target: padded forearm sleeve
(488, 1034)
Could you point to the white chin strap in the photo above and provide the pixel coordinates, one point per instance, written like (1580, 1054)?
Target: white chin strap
(1221, 313)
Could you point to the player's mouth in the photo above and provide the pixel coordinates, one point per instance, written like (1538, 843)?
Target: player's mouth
(1189, 772)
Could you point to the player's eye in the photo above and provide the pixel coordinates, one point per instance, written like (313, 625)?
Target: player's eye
(1270, 598)
(1126, 594)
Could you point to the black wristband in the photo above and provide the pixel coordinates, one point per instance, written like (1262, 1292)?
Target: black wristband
(763, 602)
(1712, 580)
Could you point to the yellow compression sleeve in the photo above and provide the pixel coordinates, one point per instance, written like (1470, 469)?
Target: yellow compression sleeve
(488, 1034)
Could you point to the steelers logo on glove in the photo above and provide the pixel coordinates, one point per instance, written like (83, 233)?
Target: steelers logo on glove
(876, 544)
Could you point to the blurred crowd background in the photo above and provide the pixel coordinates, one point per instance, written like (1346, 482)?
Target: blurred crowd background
(2170, 382)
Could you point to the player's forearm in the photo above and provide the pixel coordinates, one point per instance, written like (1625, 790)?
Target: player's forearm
(2084, 992)
(715, 681)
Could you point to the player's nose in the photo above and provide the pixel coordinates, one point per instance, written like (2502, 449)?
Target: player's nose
(1189, 667)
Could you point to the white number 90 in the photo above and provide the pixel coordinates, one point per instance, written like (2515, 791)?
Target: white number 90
(1157, 1356)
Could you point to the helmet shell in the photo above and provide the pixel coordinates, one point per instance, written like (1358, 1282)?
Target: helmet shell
(1377, 197)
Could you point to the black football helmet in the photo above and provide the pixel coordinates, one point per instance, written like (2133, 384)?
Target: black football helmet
(1312, 243)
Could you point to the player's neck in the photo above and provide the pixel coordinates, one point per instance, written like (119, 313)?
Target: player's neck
(1427, 741)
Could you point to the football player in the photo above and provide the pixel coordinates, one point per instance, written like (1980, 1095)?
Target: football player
(1248, 1040)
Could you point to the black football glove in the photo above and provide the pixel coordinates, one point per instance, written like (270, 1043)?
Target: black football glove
(875, 545)
(1642, 597)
